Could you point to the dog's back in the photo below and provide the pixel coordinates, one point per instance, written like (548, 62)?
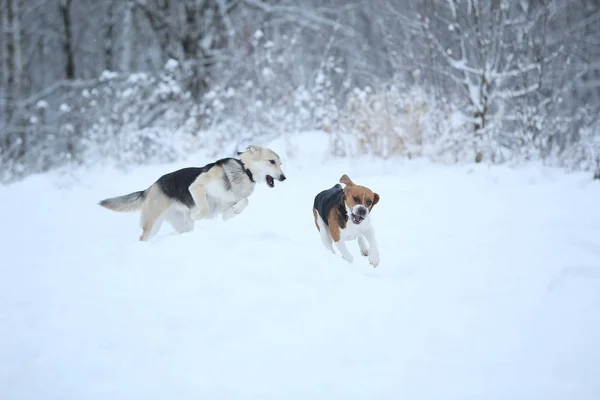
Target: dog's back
(175, 185)
(327, 200)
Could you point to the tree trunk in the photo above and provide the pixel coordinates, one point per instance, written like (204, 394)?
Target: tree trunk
(65, 11)
(109, 37)
(13, 63)
(17, 46)
(10, 57)
(128, 37)
(3, 77)
(190, 38)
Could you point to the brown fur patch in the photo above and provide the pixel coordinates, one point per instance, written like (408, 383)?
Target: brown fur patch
(356, 194)
(334, 224)
(316, 214)
(346, 180)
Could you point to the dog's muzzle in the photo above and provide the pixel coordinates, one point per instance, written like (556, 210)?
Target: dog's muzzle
(271, 181)
(359, 214)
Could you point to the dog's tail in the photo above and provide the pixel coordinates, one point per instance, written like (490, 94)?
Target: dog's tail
(129, 202)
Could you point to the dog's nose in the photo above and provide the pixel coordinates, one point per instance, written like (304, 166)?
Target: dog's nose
(282, 178)
(362, 211)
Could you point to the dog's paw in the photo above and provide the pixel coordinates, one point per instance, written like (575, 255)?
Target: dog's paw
(199, 214)
(364, 252)
(237, 208)
(348, 258)
(228, 214)
(329, 247)
(374, 259)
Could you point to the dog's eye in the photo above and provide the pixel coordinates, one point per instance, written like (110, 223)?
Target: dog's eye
(356, 199)
(369, 202)
(272, 161)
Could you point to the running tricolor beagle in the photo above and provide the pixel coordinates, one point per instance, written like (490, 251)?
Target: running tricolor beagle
(342, 214)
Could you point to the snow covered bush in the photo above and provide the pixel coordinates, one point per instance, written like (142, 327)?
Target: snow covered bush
(262, 100)
(584, 154)
(378, 123)
(137, 118)
(394, 121)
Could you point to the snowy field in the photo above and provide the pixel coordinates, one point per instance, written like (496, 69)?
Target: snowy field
(488, 288)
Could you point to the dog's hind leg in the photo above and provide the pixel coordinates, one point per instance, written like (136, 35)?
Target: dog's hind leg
(327, 240)
(179, 220)
(153, 209)
(316, 215)
(325, 233)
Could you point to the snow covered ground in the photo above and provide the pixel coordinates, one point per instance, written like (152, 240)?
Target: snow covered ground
(488, 288)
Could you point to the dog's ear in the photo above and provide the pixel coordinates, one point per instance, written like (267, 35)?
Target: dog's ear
(346, 181)
(375, 198)
(250, 149)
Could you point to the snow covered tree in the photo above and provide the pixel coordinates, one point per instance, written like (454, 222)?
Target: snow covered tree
(523, 75)
(495, 53)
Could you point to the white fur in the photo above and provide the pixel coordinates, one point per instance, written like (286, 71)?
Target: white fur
(325, 234)
(353, 231)
(341, 246)
(362, 232)
(373, 251)
(235, 209)
(355, 209)
(179, 219)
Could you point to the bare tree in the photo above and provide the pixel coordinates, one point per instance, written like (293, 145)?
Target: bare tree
(67, 44)
(13, 72)
(110, 36)
(494, 52)
(127, 37)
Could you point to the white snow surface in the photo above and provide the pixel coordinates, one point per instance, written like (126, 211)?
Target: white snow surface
(488, 288)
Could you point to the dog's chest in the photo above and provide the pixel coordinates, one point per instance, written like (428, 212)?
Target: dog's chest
(221, 196)
(352, 231)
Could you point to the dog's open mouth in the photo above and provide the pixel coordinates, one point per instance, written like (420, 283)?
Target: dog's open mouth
(270, 181)
(357, 219)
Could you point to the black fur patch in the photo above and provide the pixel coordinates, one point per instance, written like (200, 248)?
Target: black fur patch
(176, 184)
(329, 199)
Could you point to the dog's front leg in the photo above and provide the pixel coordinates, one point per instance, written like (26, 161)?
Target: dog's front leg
(341, 245)
(373, 250)
(362, 244)
(240, 206)
(235, 209)
(201, 209)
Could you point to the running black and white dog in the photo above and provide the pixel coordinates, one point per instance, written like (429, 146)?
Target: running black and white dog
(190, 194)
